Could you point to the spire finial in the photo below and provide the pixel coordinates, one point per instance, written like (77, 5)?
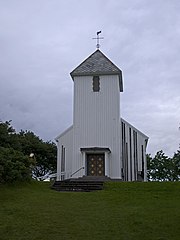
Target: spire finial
(98, 38)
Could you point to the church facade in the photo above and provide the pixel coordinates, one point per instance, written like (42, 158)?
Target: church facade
(100, 142)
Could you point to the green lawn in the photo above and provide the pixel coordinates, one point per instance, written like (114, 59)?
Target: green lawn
(126, 211)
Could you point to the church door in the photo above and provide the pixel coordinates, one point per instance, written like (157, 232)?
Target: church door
(95, 165)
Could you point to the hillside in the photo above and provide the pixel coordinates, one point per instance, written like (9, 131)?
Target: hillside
(126, 211)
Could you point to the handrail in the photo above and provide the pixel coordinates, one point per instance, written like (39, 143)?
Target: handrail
(76, 171)
(48, 175)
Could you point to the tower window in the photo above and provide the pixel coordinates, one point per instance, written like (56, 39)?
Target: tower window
(96, 84)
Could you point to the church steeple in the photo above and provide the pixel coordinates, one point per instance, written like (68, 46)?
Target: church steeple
(98, 64)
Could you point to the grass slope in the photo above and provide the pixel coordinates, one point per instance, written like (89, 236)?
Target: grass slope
(126, 211)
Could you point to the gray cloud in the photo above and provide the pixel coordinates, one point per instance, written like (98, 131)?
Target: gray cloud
(42, 41)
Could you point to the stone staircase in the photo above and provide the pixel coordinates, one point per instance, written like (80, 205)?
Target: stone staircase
(83, 184)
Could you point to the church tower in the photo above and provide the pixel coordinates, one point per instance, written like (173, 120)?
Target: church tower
(96, 121)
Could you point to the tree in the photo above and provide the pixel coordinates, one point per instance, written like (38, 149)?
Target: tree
(163, 168)
(44, 153)
(6, 131)
(176, 163)
(26, 143)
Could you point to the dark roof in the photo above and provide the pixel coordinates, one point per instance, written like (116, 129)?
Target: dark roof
(98, 64)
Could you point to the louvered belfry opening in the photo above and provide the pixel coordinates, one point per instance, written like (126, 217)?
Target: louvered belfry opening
(96, 84)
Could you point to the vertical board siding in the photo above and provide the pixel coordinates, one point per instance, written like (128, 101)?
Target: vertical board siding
(96, 118)
(132, 162)
(97, 123)
(65, 140)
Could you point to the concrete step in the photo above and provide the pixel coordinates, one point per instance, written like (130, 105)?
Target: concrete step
(73, 185)
(85, 183)
(94, 178)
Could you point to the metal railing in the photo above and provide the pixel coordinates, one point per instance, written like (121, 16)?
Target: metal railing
(77, 171)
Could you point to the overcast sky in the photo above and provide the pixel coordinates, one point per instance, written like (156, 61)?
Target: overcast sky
(42, 41)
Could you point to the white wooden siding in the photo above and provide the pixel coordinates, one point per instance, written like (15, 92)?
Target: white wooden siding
(97, 123)
(65, 140)
(141, 141)
(96, 119)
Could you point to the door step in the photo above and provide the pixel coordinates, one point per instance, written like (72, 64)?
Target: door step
(77, 186)
(82, 184)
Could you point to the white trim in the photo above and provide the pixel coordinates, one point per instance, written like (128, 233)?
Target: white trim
(107, 164)
(63, 133)
(122, 120)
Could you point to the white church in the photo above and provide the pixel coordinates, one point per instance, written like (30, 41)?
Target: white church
(100, 143)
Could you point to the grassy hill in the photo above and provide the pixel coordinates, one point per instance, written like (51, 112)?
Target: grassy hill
(126, 211)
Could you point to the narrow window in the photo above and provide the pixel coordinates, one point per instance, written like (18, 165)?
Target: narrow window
(127, 161)
(62, 159)
(96, 84)
(142, 173)
(123, 152)
(130, 150)
(135, 154)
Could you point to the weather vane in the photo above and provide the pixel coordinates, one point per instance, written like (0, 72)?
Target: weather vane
(98, 38)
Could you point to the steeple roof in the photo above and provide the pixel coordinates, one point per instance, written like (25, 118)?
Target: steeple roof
(97, 64)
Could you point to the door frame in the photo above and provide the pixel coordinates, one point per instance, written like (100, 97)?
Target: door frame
(96, 150)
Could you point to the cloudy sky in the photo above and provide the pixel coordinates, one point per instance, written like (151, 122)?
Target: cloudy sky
(42, 41)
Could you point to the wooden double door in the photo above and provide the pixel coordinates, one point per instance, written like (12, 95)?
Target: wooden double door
(95, 164)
